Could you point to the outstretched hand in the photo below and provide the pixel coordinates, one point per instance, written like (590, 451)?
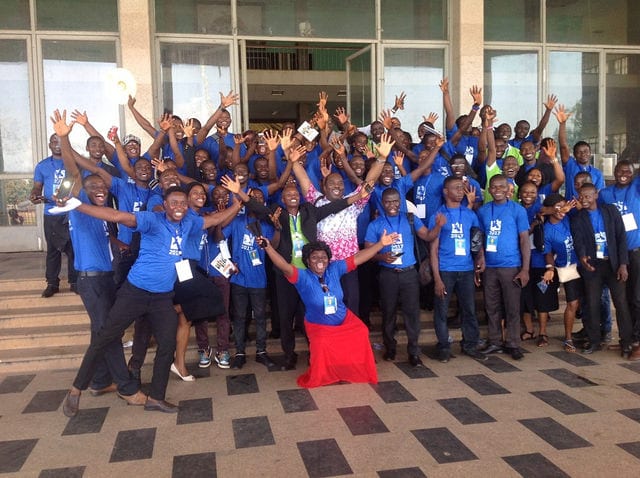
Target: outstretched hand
(80, 117)
(551, 148)
(384, 148)
(231, 185)
(60, 125)
(388, 239)
(561, 114)
(230, 99)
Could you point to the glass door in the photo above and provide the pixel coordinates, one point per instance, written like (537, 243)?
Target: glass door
(361, 86)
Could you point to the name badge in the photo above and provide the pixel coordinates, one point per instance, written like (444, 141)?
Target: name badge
(531, 244)
(298, 244)
(255, 258)
(460, 247)
(184, 270)
(629, 222)
(330, 304)
(600, 250)
(421, 211)
(492, 243)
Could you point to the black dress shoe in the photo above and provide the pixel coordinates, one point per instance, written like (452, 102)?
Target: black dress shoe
(71, 405)
(153, 405)
(264, 359)
(474, 354)
(50, 290)
(238, 361)
(589, 348)
(389, 355)
(415, 361)
(493, 349)
(290, 362)
(515, 352)
(444, 355)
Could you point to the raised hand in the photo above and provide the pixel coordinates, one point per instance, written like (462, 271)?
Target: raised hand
(551, 102)
(165, 122)
(470, 193)
(476, 94)
(432, 118)
(322, 101)
(285, 139)
(60, 125)
(297, 153)
(158, 164)
(444, 85)
(188, 129)
(388, 239)
(238, 139)
(561, 114)
(551, 149)
(231, 185)
(275, 218)
(230, 99)
(341, 115)
(131, 102)
(385, 119)
(325, 165)
(80, 117)
(272, 138)
(398, 158)
(399, 103)
(384, 148)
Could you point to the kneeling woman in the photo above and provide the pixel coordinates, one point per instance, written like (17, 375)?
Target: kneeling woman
(338, 340)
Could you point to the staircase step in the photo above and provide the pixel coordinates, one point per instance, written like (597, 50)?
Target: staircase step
(43, 316)
(45, 336)
(26, 299)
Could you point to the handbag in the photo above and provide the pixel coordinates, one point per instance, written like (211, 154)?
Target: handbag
(568, 273)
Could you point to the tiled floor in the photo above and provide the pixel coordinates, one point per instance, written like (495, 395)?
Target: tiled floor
(551, 414)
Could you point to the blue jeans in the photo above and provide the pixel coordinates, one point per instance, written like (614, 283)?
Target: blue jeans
(462, 284)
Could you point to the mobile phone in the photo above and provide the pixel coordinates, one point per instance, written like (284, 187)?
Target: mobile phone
(64, 191)
(397, 254)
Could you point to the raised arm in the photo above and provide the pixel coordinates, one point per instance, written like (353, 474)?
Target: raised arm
(558, 171)
(449, 117)
(369, 253)
(158, 141)
(427, 162)
(476, 94)
(548, 108)
(382, 151)
(62, 130)
(82, 119)
(562, 116)
(225, 102)
(141, 120)
(298, 169)
(491, 139)
(278, 261)
(222, 216)
(429, 235)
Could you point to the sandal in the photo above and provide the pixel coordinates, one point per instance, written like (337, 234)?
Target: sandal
(568, 346)
(543, 340)
(526, 335)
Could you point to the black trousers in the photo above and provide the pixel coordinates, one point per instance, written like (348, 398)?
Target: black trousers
(633, 291)
(403, 287)
(131, 303)
(56, 234)
(288, 303)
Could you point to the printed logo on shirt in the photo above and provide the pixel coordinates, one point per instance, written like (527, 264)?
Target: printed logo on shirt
(457, 232)
(568, 245)
(137, 205)
(495, 228)
(58, 177)
(622, 207)
(601, 237)
(421, 193)
(175, 249)
(247, 242)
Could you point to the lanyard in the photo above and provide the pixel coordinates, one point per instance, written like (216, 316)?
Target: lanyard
(459, 214)
(391, 228)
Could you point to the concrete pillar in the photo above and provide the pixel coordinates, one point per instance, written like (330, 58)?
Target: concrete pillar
(467, 55)
(136, 45)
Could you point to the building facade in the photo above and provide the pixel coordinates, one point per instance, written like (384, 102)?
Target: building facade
(278, 54)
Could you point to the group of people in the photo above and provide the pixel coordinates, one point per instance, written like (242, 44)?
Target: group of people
(224, 226)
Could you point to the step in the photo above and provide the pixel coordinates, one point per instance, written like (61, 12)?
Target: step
(27, 299)
(43, 316)
(46, 336)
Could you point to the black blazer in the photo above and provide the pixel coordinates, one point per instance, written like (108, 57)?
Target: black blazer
(310, 216)
(584, 238)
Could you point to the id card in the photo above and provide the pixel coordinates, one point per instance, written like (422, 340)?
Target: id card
(255, 258)
(600, 250)
(629, 222)
(184, 270)
(298, 244)
(531, 244)
(330, 304)
(460, 247)
(492, 243)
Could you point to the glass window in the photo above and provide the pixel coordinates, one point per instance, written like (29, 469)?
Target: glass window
(511, 85)
(84, 15)
(194, 16)
(573, 78)
(512, 20)
(614, 22)
(74, 75)
(414, 19)
(417, 72)
(303, 18)
(192, 77)
(15, 15)
(359, 67)
(15, 207)
(15, 108)
(623, 106)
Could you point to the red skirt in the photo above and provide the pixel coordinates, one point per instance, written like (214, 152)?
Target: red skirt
(339, 353)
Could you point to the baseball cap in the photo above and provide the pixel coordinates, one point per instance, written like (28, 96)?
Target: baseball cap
(129, 138)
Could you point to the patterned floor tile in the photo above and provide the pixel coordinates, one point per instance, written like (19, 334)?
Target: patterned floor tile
(14, 453)
(415, 372)
(569, 378)
(465, 411)
(393, 392)
(323, 458)
(555, 434)
(46, 401)
(362, 420)
(534, 465)
(241, 384)
(632, 387)
(297, 400)
(443, 445)
(633, 413)
(198, 410)
(483, 384)
(402, 473)
(15, 383)
(197, 465)
(133, 445)
(88, 420)
(562, 402)
(499, 365)
(74, 472)
(633, 448)
(577, 360)
(633, 366)
(252, 431)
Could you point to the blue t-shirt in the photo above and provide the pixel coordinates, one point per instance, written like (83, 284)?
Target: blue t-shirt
(404, 243)
(50, 172)
(161, 246)
(115, 160)
(246, 252)
(571, 169)
(537, 258)
(476, 185)
(211, 145)
(90, 238)
(427, 194)
(502, 225)
(402, 185)
(627, 200)
(602, 249)
(454, 251)
(559, 241)
(131, 198)
(314, 296)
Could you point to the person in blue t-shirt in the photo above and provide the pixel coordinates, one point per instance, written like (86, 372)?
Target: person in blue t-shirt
(398, 275)
(507, 257)
(48, 176)
(453, 270)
